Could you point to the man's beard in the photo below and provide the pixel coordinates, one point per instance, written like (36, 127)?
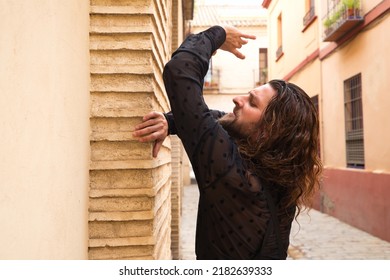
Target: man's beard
(229, 123)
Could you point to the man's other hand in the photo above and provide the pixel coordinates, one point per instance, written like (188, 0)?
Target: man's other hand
(154, 127)
(235, 39)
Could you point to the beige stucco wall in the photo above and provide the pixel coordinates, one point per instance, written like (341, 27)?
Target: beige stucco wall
(44, 111)
(309, 78)
(367, 5)
(366, 54)
(297, 44)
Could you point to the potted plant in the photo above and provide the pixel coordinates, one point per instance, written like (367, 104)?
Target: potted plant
(328, 24)
(352, 7)
(335, 17)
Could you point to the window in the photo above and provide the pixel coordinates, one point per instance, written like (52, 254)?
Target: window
(354, 135)
(211, 80)
(263, 65)
(279, 51)
(209, 74)
(309, 13)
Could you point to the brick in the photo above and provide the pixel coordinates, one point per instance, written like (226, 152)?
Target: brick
(124, 252)
(120, 150)
(113, 129)
(121, 216)
(120, 242)
(127, 178)
(119, 229)
(138, 6)
(121, 23)
(128, 164)
(163, 245)
(121, 61)
(148, 192)
(120, 104)
(163, 193)
(121, 83)
(162, 217)
(128, 41)
(111, 204)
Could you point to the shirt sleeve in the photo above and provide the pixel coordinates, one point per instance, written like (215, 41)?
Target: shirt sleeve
(172, 130)
(210, 149)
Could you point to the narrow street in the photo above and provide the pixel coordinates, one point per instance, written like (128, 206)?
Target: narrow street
(317, 236)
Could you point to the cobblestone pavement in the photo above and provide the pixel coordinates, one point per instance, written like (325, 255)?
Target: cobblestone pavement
(317, 236)
(188, 222)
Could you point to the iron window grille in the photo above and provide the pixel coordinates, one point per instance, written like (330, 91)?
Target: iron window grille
(354, 135)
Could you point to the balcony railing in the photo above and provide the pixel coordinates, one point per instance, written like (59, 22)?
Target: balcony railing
(341, 18)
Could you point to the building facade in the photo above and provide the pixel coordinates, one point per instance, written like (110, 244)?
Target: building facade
(337, 51)
(76, 77)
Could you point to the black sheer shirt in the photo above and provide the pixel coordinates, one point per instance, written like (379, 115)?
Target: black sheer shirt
(233, 212)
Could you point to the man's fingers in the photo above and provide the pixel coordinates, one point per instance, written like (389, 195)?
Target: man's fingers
(156, 148)
(151, 115)
(154, 123)
(248, 36)
(149, 134)
(141, 128)
(148, 120)
(235, 40)
(150, 137)
(151, 129)
(243, 41)
(238, 54)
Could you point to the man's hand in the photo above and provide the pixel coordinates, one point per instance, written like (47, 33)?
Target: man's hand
(235, 39)
(154, 127)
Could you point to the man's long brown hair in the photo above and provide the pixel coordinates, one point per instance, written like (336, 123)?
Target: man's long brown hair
(285, 152)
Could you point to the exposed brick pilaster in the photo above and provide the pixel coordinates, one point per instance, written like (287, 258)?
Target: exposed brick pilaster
(130, 191)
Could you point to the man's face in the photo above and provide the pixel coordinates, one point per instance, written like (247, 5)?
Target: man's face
(244, 120)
